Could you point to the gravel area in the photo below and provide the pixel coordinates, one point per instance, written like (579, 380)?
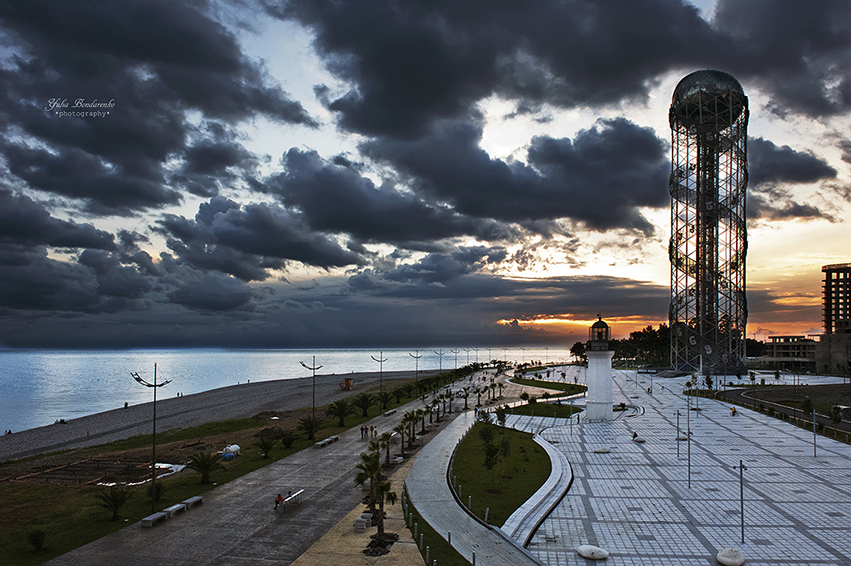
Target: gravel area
(235, 401)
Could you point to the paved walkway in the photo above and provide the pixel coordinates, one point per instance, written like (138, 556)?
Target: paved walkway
(654, 503)
(236, 525)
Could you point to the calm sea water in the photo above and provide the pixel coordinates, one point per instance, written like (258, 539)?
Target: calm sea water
(39, 386)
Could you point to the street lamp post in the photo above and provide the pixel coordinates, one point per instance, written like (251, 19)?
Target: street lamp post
(440, 355)
(456, 357)
(313, 368)
(154, 386)
(417, 368)
(380, 359)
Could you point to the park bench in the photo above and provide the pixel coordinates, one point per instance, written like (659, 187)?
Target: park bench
(192, 501)
(363, 521)
(291, 500)
(151, 519)
(390, 412)
(170, 511)
(326, 441)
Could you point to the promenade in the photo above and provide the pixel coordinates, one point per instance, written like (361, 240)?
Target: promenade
(663, 501)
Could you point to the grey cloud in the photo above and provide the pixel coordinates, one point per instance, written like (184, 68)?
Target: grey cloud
(599, 178)
(769, 164)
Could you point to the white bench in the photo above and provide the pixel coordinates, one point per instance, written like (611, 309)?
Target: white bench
(192, 501)
(363, 521)
(390, 412)
(325, 442)
(151, 519)
(170, 511)
(291, 500)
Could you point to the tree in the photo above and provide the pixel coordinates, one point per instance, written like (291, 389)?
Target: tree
(205, 464)
(287, 438)
(364, 402)
(309, 426)
(465, 393)
(383, 493)
(400, 430)
(385, 440)
(384, 398)
(501, 386)
(369, 470)
(578, 351)
(265, 445)
(398, 393)
(501, 415)
(340, 410)
(807, 405)
(114, 499)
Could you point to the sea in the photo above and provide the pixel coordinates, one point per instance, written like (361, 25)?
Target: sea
(38, 387)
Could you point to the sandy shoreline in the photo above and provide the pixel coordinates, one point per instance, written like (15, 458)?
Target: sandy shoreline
(234, 401)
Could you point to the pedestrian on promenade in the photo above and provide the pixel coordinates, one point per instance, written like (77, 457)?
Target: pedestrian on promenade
(279, 500)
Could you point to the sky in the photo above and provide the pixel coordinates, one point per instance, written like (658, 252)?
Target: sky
(342, 173)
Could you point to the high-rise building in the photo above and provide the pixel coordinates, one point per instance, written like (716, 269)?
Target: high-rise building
(837, 298)
(708, 184)
(833, 353)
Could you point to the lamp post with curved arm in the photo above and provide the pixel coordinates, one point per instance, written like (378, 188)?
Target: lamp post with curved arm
(380, 359)
(313, 369)
(154, 386)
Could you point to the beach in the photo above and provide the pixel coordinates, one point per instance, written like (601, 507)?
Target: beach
(232, 402)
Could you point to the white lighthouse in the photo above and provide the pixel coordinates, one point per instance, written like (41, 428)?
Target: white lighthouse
(599, 401)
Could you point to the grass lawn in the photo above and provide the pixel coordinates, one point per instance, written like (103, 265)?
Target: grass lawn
(563, 387)
(562, 411)
(512, 480)
(70, 516)
(440, 549)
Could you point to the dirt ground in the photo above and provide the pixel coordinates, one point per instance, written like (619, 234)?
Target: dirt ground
(839, 394)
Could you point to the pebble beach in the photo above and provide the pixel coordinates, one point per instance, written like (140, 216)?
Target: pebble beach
(232, 402)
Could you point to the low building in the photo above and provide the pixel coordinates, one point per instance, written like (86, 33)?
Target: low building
(796, 353)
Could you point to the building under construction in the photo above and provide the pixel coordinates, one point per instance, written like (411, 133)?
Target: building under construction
(708, 183)
(834, 349)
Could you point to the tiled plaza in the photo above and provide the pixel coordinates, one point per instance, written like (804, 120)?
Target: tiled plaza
(669, 502)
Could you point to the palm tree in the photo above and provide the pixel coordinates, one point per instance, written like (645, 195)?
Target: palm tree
(385, 441)
(340, 410)
(479, 392)
(364, 401)
(398, 392)
(368, 470)
(383, 493)
(309, 426)
(465, 394)
(384, 398)
(400, 430)
(422, 414)
(205, 464)
(114, 499)
(265, 445)
(502, 385)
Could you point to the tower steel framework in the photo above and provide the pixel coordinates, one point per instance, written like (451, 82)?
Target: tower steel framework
(708, 183)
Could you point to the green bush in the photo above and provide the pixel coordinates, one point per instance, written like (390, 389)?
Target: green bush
(36, 539)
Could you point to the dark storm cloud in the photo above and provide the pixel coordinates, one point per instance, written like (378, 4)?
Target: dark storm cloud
(414, 62)
(212, 292)
(798, 51)
(215, 159)
(599, 178)
(154, 61)
(770, 169)
(769, 164)
(336, 197)
(25, 221)
(247, 241)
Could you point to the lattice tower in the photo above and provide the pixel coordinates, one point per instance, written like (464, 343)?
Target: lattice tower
(708, 184)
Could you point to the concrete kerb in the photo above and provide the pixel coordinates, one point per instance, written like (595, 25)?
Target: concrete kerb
(525, 521)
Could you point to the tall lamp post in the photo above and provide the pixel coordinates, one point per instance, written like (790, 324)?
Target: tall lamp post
(440, 355)
(417, 370)
(154, 386)
(456, 360)
(313, 413)
(380, 359)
